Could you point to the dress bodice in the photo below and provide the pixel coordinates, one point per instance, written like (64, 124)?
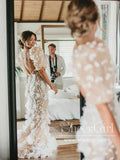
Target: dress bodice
(34, 60)
(94, 71)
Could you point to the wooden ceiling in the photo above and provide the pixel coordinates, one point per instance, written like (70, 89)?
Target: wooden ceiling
(40, 10)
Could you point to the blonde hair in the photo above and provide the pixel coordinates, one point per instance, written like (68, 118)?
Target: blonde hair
(80, 15)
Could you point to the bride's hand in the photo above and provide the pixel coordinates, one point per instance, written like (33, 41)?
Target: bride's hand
(53, 87)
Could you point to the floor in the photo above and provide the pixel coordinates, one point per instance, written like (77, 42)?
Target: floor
(67, 143)
(65, 152)
(68, 152)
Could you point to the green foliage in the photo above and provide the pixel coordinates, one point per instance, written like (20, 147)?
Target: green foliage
(18, 71)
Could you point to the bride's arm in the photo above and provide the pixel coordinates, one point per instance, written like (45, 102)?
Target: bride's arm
(108, 121)
(44, 76)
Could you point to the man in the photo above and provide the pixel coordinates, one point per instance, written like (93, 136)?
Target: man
(56, 66)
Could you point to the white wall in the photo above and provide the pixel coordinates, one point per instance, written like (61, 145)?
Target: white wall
(4, 128)
(112, 30)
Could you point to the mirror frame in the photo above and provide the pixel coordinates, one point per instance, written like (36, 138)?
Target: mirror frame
(11, 80)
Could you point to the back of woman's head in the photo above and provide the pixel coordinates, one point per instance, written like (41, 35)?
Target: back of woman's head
(25, 36)
(80, 15)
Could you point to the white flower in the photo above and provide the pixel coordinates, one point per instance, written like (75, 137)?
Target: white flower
(98, 79)
(88, 94)
(92, 57)
(30, 139)
(89, 85)
(76, 55)
(99, 99)
(78, 65)
(90, 78)
(108, 76)
(104, 62)
(109, 92)
(88, 67)
(101, 49)
(92, 44)
(80, 47)
(100, 44)
(84, 54)
(110, 69)
(88, 43)
(96, 64)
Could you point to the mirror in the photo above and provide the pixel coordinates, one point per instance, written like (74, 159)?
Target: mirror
(64, 107)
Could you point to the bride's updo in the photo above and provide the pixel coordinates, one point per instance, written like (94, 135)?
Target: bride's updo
(80, 15)
(25, 36)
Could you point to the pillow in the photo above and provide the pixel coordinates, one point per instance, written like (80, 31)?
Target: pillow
(72, 90)
(69, 93)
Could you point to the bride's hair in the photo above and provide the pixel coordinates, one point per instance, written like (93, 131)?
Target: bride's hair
(80, 15)
(26, 35)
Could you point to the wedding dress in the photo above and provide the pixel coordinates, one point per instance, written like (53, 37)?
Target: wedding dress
(95, 73)
(34, 139)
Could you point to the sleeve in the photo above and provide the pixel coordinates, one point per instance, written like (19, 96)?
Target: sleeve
(62, 66)
(20, 63)
(38, 58)
(95, 74)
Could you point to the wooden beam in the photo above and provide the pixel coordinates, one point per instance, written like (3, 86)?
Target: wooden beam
(61, 9)
(53, 26)
(47, 0)
(22, 8)
(42, 37)
(37, 21)
(42, 9)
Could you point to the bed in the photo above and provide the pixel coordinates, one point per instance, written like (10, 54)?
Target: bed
(65, 105)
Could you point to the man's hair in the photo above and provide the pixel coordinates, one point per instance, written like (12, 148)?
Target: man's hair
(52, 45)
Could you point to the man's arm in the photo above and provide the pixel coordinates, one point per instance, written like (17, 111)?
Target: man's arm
(62, 66)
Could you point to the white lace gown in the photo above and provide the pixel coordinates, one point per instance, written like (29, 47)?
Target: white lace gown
(34, 139)
(95, 74)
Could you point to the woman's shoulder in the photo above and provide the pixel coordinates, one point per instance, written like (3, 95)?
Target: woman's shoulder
(90, 44)
(91, 51)
(96, 46)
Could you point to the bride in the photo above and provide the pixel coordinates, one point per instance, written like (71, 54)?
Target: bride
(35, 140)
(98, 136)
